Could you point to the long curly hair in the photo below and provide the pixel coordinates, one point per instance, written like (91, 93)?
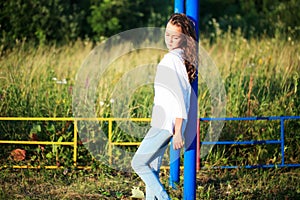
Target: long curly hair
(189, 44)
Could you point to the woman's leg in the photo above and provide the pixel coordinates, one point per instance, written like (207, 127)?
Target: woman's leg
(147, 160)
(155, 166)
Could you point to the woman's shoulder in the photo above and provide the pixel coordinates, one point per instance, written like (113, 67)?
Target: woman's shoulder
(176, 52)
(173, 55)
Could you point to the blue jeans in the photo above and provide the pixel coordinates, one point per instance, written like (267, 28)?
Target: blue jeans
(148, 159)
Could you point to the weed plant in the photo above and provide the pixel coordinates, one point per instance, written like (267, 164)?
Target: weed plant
(261, 78)
(101, 183)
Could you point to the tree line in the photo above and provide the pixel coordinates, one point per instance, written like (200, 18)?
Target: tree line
(61, 21)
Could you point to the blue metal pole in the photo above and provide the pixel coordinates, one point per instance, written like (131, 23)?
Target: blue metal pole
(175, 154)
(174, 166)
(282, 139)
(179, 6)
(189, 190)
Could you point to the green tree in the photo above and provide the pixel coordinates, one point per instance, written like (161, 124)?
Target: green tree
(254, 17)
(109, 17)
(42, 20)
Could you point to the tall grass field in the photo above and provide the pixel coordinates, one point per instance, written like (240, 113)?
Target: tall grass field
(261, 77)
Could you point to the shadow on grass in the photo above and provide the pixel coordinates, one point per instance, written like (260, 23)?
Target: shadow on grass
(110, 184)
(249, 184)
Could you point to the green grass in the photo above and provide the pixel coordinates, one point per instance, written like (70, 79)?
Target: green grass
(103, 184)
(261, 78)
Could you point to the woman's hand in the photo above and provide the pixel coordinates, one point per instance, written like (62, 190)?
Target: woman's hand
(177, 141)
(177, 136)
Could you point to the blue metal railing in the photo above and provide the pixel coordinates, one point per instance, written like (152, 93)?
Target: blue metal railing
(255, 142)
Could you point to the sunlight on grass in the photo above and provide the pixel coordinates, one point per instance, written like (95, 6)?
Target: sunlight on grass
(261, 78)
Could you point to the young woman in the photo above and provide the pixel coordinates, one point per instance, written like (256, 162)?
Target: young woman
(172, 91)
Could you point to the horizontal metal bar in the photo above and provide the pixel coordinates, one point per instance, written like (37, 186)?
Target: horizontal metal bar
(238, 118)
(245, 166)
(35, 142)
(251, 142)
(253, 166)
(142, 119)
(248, 118)
(72, 119)
(44, 167)
(132, 119)
(290, 117)
(37, 119)
(59, 167)
(114, 119)
(291, 165)
(163, 167)
(126, 143)
(32, 167)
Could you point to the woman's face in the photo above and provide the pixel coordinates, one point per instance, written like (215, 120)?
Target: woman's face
(173, 36)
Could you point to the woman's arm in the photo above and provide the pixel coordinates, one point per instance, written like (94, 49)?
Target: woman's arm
(177, 137)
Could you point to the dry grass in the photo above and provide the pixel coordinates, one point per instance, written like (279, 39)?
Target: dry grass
(261, 78)
(211, 184)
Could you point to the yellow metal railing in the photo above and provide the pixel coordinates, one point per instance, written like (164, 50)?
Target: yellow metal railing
(75, 139)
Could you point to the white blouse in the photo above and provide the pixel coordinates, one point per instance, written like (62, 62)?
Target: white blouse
(172, 92)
